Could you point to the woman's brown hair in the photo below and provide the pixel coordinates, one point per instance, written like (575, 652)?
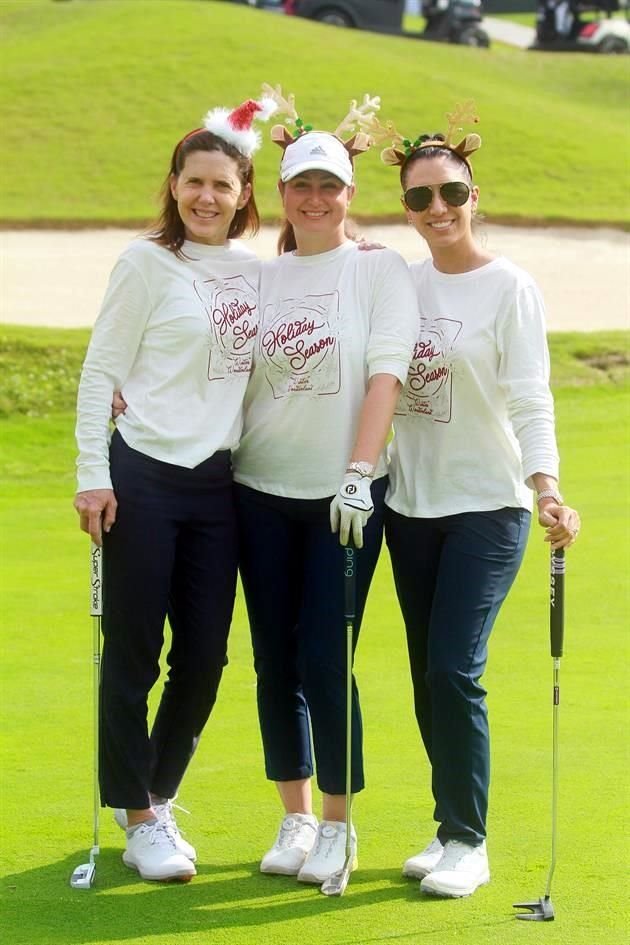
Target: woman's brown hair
(168, 229)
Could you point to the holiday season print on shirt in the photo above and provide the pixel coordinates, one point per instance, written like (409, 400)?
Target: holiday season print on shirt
(428, 390)
(231, 305)
(300, 345)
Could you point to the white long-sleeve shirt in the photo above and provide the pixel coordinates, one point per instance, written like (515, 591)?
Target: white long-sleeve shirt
(475, 419)
(176, 337)
(329, 322)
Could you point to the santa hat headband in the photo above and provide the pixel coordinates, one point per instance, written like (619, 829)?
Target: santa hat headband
(402, 148)
(236, 126)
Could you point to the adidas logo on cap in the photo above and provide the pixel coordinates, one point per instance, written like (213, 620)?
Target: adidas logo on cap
(317, 150)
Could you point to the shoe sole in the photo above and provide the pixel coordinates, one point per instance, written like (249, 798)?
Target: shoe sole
(318, 880)
(416, 873)
(444, 894)
(273, 871)
(174, 878)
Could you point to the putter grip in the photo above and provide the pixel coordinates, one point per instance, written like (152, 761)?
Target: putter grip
(556, 602)
(349, 578)
(96, 581)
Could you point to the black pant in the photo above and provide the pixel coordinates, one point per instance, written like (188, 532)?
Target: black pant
(452, 575)
(172, 550)
(292, 570)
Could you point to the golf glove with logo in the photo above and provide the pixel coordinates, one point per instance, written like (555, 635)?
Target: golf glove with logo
(351, 508)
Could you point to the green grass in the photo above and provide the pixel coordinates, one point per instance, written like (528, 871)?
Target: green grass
(46, 736)
(96, 92)
(41, 366)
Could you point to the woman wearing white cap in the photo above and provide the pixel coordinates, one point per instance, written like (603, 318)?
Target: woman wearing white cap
(176, 329)
(336, 335)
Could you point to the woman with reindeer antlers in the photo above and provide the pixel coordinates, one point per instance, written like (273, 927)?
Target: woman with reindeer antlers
(176, 328)
(336, 335)
(474, 438)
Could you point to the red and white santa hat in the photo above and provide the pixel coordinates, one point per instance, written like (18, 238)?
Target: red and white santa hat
(235, 126)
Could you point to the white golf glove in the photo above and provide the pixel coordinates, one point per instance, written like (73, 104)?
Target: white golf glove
(351, 508)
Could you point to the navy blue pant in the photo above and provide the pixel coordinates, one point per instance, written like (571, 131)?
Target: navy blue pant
(172, 550)
(292, 568)
(452, 574)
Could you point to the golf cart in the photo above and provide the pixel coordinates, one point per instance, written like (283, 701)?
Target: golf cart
(560, 27)
(454, 21)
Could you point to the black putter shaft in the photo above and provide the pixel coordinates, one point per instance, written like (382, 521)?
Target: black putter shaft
(96, 612)
(350, 594)
(556, 632)
(542, 910)
(83, 876)
(335, 885)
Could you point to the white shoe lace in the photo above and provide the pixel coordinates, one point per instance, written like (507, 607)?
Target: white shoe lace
(164, 814)
(159, 834)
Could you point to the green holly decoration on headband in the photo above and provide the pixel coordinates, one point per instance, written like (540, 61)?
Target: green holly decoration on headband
(411, 146)
(301, 128)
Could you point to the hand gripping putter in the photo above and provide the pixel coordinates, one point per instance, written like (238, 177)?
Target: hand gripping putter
(83, 875)
(336, 883)
(542, 909)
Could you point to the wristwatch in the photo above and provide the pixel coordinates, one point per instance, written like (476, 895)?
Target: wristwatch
(362, 468)
(550, 494)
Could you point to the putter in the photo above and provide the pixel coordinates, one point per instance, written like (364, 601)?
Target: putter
(83, 876)
(336, 883)
(542, 909)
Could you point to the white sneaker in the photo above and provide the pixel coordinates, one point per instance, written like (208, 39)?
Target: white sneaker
(152, 852)
(164, 813)
(328, 853)
(295, 838)
(423, 863)
(460, 870)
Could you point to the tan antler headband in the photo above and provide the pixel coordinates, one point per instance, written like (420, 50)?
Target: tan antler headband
(402, 148)
(359, 121)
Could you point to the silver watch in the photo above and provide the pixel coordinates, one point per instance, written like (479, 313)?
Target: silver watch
(362, 468)
(550, 494)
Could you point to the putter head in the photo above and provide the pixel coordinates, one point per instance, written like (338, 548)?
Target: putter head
(336, 883)
(83, 876)
(539, 911)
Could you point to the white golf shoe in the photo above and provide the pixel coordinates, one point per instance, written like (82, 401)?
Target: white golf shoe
(328, 854)
(423, 863)
(152, 852)
(460, 871)
(295, 838)
(164, 813)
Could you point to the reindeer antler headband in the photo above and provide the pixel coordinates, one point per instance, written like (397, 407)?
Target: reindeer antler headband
(324, 150)
(402, 148)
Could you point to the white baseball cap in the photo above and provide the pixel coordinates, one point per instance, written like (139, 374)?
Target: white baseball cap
(316, 151)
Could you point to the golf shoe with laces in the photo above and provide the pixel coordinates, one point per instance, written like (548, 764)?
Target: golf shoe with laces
(295, 838)
(164, 814)
(328, 854)
(424, 863)
(460, 871)
(151, 850)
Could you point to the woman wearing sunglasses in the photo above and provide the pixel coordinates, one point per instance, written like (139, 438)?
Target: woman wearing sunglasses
(474, 438)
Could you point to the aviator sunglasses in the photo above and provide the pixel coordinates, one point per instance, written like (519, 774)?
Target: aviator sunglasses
(454, 192)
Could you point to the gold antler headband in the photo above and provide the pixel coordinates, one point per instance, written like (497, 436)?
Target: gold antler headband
(396, 155)
(359, 121)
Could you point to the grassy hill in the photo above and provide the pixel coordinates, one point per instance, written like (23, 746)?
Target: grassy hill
(96, 92)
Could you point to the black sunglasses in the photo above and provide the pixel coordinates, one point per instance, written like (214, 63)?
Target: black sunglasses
(454, 192)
